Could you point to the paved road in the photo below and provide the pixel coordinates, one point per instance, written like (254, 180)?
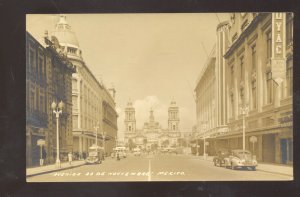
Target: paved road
(155, 168)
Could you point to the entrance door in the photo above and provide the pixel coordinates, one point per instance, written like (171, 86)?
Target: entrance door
(283, 146)
(268, 145)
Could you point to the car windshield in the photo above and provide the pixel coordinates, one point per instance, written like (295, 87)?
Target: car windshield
(243, 153)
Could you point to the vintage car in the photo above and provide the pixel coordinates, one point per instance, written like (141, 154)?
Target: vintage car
(240, 159)
(95, 156)
(137, 152)
(219, 159)
(121, 151)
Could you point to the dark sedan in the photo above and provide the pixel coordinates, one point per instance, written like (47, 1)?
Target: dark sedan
(219, 159)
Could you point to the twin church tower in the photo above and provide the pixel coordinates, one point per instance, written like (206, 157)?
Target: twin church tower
(152, 136)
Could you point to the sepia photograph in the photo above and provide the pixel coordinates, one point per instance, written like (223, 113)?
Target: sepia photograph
(159, 97)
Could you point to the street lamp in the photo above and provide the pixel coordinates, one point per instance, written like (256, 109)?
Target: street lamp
(57, 110)
(244, 111)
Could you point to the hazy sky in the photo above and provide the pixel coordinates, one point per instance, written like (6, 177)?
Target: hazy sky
(150, 58)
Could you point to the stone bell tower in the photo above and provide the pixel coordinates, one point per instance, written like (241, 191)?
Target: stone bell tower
(130, 122)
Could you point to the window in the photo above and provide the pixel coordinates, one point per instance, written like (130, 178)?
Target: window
(36, 100)
(32, 101)
(269, 88)
(129, 128)
(254, 58)
(232, 75)
(242, 69)
(242, 95)
(254, 95)
(232, 105)
(289, 77)
(41, 104)
(41, 72)
(174, 128)
(289, 28)
(31, 60)
(269, 45)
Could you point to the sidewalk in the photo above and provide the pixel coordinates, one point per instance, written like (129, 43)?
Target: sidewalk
(52, 168)
(265, 167)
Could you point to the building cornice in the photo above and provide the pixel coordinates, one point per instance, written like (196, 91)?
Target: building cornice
(244, 34)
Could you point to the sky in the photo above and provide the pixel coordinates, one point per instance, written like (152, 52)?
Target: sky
(148, 58)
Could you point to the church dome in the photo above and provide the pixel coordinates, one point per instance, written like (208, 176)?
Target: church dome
(64, 33)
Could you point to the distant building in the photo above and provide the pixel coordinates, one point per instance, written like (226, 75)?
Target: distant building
(152, 136)
(257, 75)
(93, 103)
(48, 79)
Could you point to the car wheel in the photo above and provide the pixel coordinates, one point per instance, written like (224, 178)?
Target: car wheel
(253, 168)
(215, 163)
(220, 163)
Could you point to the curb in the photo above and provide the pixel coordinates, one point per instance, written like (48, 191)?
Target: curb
(272, 172)
(54, 170)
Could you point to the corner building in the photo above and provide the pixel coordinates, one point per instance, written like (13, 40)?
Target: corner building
(48, 79)
(93, 103)
(258, 75)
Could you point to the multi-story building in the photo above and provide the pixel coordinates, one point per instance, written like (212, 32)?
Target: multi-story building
(48, 79)
(93, 104)
(152, 136)
(210, 92)
(258, 83)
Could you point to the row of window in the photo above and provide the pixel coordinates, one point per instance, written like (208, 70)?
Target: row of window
(269, 83)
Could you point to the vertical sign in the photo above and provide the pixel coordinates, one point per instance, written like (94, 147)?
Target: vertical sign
(278, 62)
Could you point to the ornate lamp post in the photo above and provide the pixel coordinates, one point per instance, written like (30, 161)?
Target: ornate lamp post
(244, 111)
(57, 110)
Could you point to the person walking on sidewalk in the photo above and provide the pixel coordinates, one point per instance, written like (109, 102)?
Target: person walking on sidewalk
(70, 158)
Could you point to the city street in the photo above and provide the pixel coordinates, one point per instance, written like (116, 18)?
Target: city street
(163, 167)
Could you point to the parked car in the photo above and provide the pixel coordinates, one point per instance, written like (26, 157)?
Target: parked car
(240, 159)
(219, 159)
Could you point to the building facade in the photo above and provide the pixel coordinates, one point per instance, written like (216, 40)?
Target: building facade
(258, 83)
(210, 93)
(152, 135)
(93, 104)
(48, 79)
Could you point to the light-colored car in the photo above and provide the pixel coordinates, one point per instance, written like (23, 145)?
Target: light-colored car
(95, 155)
(240, 159)
(121, 151)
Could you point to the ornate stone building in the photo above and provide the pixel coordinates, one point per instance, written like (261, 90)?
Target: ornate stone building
(93, 103)
(152, 136)
(257, 78)
(48, 79)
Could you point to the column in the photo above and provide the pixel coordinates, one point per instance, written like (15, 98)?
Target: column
(79, 101)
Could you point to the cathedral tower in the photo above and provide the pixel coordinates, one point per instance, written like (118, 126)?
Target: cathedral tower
(173, 120)
(130, 122)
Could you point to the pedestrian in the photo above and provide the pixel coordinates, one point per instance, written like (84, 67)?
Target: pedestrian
(70, 158)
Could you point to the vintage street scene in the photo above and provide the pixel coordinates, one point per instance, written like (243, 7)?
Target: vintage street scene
(159, 97)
